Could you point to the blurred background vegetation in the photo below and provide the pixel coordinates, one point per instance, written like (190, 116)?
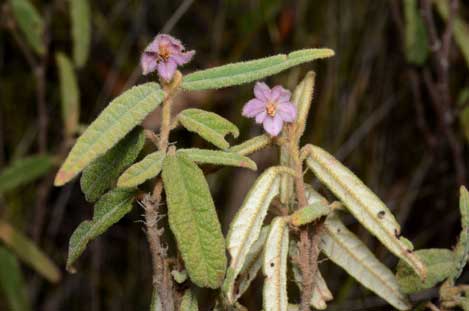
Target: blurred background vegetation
(392, 105)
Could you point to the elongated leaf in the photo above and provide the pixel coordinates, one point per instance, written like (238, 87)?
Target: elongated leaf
(204, 156)
(246, 226)
(120, 117)
(253, 263)
(441, 264)
(286, 181)
(313, 197)
(275, 267)
(28, 252)
(80, 14)
(252, 145)
(12, 282)
(102, 173)
(210, 126)
(416, 41)
(24, 171)
(347, 251)
(365, 206)
(309, 214)
(189, 301)
(194, 221)
(245, 72)
(141, 171)
(30, 22)
(462, 248)
(302, 98)
(108, 210)
(70, 94)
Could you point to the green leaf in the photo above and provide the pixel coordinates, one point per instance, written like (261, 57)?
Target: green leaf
(70, 94)
(441, 264)
(28, 252)
(210, 126)
(462, 248)
(309, 214)
(189, 301)
(80, 14)
(141, 171)
(275, 267)
(416, 40)
(246, 226)
(12, 282)
(120, 117)
(463, 99)
(252, 145)
(245, 72)
(24, 171)
(103, 172)
(302, 98)
(348, 252)
(364, 205)
(108, 210)
(30, 22)
(194, 222)
(204, 156)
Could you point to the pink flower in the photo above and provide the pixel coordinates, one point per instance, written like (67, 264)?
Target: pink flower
(271, 107)
(164, 54)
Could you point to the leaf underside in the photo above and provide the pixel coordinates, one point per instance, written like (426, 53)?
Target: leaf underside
(217, 157)
(149, 167)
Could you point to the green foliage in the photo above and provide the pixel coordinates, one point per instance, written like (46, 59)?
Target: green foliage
(28, 252)
(12, 282)
(189, 301)
(30, 22)
(204, 156)
(245, 72)
(194, 222)
(416, 40)
(440, 263)
(141, 171)
(463, 99)
(252, 145)
(309, 214)
(80, 14)
(302, 98)
(120, 117)
(462, 248)
(102, 173)
(210, 126)
(70, 94)
(24, 171)
(108, 210)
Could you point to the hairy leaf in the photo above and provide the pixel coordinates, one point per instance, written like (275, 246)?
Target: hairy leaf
(189, 301)
(12, 282)
(245, 72)
(286, 181)
(120, 117)
(102, 173)
(347, 251)
(30, 22)
(462, 248)
(141, 171)
(246, 226)
(302, 98)
(309, 214)
(275, 267)
(441, 264)
(204, 156)
(416, 41)
(210, 126)
(23, 171)
(367, 208)
(252, 145)
(194, 221)
(28, 252)
(80, 14)
(108, 210)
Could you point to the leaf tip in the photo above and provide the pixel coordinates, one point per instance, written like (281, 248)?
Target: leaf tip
(62, 178)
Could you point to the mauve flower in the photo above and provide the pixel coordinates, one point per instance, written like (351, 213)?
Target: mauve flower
(164, 54)
(271, 107)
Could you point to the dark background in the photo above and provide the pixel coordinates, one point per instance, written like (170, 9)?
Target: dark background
(372, 109)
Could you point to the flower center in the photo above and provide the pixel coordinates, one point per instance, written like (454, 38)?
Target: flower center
(271, 108)
(164, 52)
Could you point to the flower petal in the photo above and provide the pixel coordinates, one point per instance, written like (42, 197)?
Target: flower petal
(274, 125)
(262, 91)
(153, 47)
(148, 62)
(287, 111)
(261, 117)
(280, 94)
(253, 108)
(166, 70)
(182, 58)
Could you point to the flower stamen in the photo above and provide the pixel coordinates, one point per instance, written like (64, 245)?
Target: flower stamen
(271, 108)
